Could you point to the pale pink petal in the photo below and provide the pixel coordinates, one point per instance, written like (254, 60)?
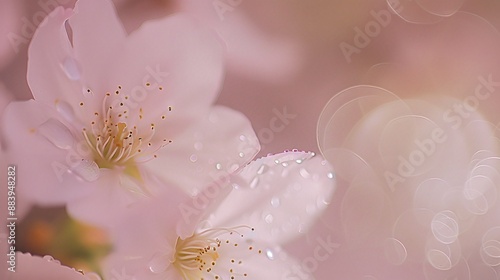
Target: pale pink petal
(97, 35)
(45, 268)
(51, 64)
(285, 194)
(171, 67)
(220, 144)
(105, 200)
(144, 238)
(37, 143)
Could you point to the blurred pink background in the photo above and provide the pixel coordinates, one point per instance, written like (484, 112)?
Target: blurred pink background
(287, 59)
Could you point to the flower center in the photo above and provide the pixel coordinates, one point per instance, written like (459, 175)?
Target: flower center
(210, 254)
(114, 141)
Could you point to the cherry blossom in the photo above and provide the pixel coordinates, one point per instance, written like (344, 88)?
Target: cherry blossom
(229, 231)
(113, 113)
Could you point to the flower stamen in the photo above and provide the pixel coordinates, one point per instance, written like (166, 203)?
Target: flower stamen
(210, 254)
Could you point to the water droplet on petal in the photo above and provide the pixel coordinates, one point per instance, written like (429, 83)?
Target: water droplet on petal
(275, 202)
(269, 254)
(65, 110)
(330, 175)
(243, 138)
(158, 264)
(48, 258)
(304, 173)
(218, 166)
(57, 133)
(87, 170)
(269, 218)
(241, 155)
(254, 182)
(262, 169)
(71, 68)
(193, 158)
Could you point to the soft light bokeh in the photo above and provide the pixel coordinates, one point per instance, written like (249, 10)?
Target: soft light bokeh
(421, 60)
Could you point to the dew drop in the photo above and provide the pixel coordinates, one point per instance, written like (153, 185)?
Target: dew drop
(254, 182)
(218, 166)
(284, 164)
(57, 133)
(65, 110)
(262, 169)
(275, 202)
(330, 175)
(86, 170)
(304, 173)
(158, 264)
(193, 158)
(243, 138)
(269, 254)
(269, 218)
(48, 258)
(71, 69)
(241, 155)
